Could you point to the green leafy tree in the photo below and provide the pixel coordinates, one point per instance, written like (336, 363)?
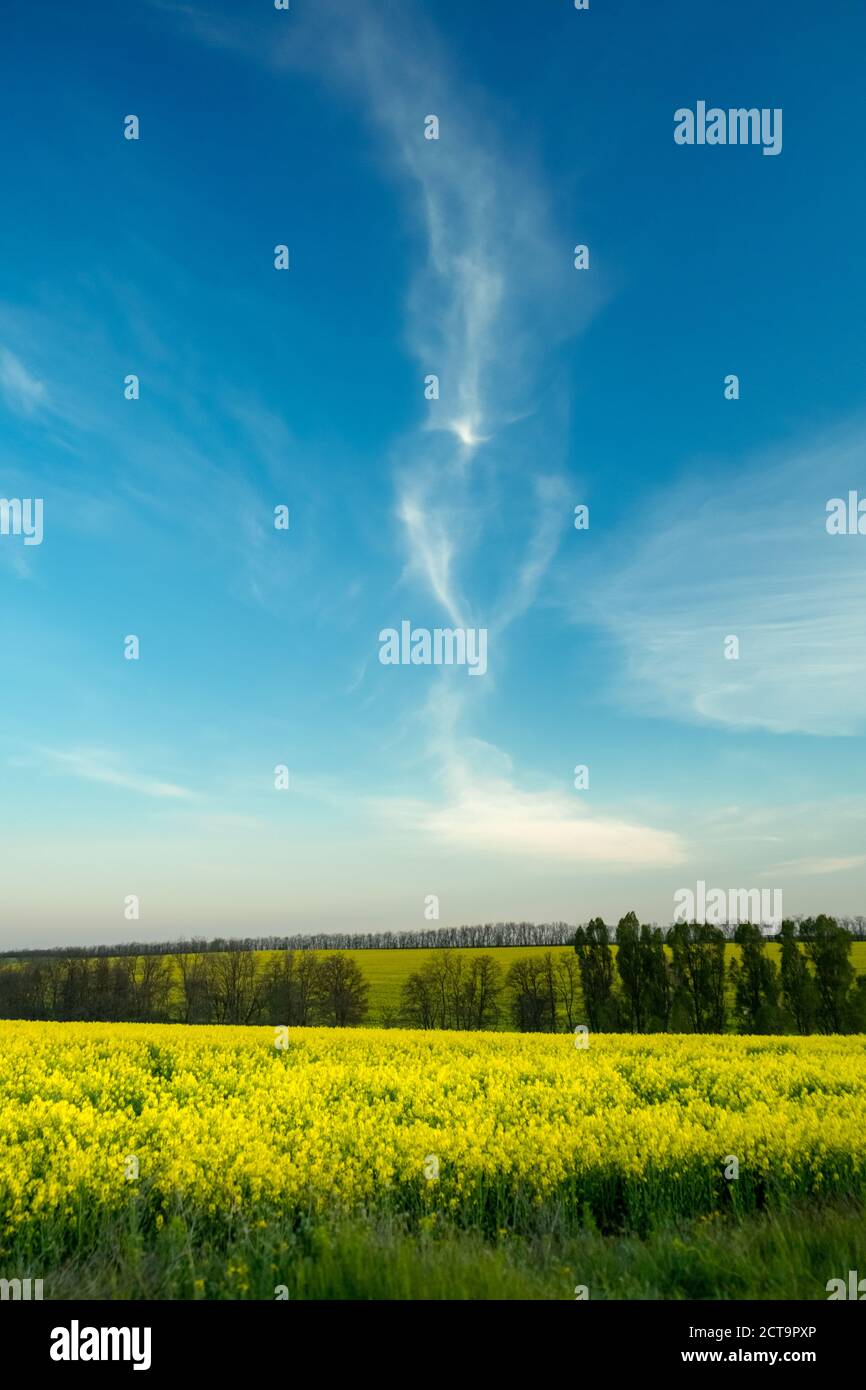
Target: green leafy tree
(418, 1001)
(342, 993)
(829, 950)
(798, 987)
(634, 968)
(756, 983)
(698, 951)
(660, 984)
(595, 960)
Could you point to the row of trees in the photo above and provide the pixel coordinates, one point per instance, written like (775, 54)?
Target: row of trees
(676, 981)
(482, 936)
(486, 936)
(685, 988)
(201, 987)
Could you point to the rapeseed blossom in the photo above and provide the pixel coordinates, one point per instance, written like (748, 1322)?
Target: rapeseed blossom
(224, 1123)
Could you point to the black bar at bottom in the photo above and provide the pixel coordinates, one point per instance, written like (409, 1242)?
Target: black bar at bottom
(252, 1338)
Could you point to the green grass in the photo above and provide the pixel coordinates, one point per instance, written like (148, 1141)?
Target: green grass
(787, 1255)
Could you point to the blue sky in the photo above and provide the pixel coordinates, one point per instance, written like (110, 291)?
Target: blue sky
(305, 387)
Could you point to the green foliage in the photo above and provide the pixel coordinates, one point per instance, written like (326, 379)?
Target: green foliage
(782, 1255)
(645, 976)
(828, 947)
(699, 977)
(595, 960)
(756, 984)
(798, 986)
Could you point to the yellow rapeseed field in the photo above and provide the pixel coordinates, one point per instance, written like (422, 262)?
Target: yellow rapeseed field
(472, 1126)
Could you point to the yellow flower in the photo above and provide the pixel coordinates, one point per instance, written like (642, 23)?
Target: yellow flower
(232, 1132)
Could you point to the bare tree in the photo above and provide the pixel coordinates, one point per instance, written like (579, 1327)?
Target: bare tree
(481, 992)
(234, 988)
(530, 996)
(567, 975)
(192, 970)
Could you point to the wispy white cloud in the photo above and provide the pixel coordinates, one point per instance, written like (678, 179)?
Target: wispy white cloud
(430, 543)
(96, 765)
(498, 816)
(481, 497)
(808, 866)
(21, 390)
(547, 521)
(745, 555)
(181, 462)
(485, 309)
(493, 295)
(481, 808)
(494, 816)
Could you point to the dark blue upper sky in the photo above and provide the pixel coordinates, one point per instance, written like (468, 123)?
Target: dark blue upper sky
(258, 387)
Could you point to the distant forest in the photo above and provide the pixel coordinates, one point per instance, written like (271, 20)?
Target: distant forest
(486, 936)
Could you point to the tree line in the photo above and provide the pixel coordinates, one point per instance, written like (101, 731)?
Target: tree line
(482, 936)
(487, 935)
(295, 989)
(680, 980)
(676, 981)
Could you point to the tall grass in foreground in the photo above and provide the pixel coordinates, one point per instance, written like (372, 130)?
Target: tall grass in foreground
(788, 1255)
